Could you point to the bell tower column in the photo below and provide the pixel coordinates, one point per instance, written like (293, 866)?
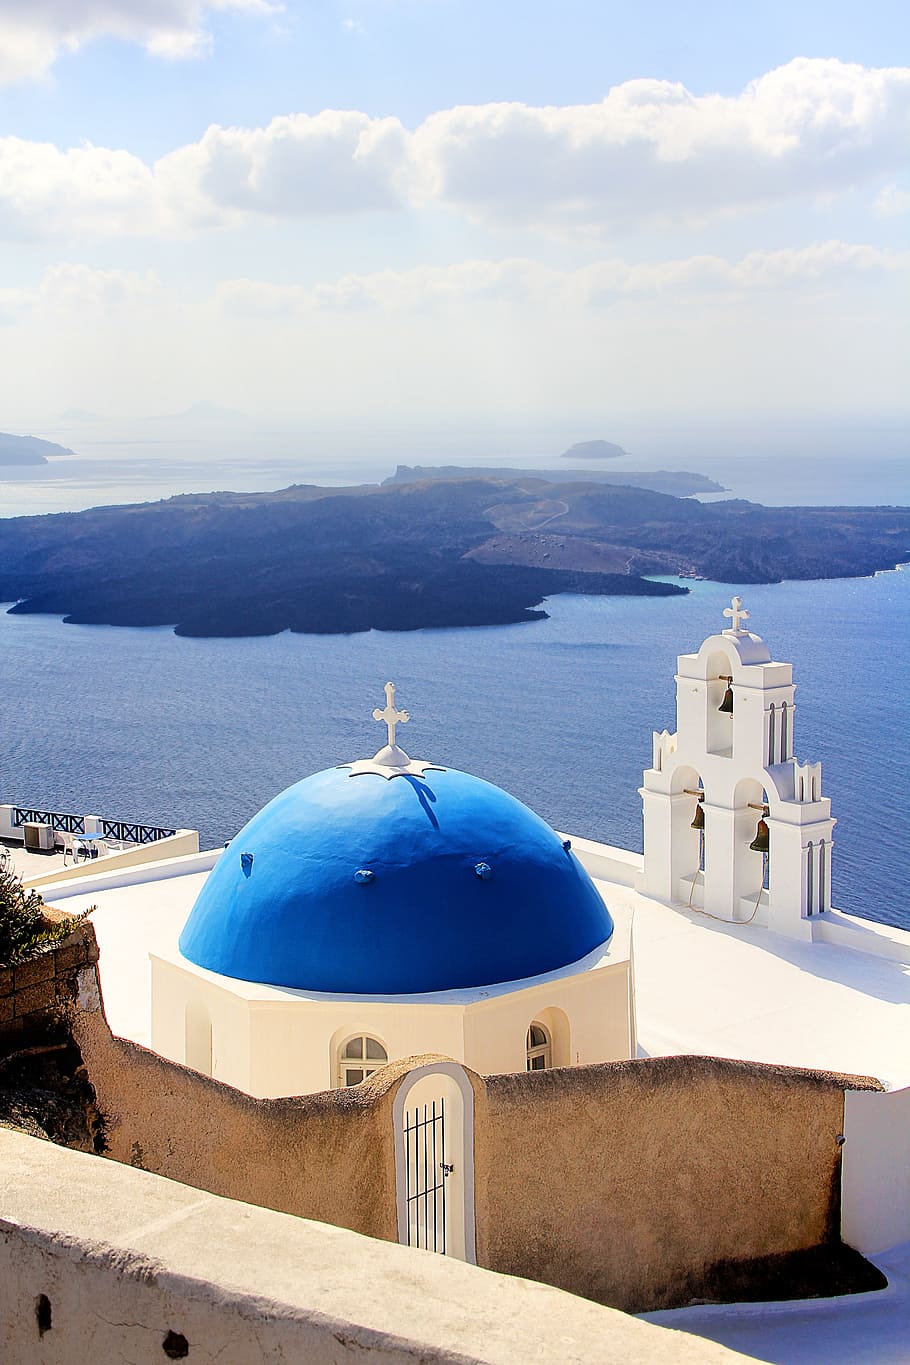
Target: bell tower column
(767, 829)
(720, 872)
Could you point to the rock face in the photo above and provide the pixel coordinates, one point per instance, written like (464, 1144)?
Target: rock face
(27, 450)
(593, 450)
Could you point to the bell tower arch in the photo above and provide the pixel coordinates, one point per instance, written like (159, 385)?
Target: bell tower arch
(765, 830)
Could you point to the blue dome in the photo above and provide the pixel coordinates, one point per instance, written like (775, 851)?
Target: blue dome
(365, 885)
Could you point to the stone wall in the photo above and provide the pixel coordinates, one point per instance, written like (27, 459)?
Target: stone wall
(33, 994)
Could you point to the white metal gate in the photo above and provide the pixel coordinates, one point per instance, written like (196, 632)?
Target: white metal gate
(433, 1121)
(426, 1172)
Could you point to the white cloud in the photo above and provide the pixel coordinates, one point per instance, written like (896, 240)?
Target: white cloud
(517, 281)
(34, 32)
(650, 152)
(653, 150)
(333, 162)
(45, 192)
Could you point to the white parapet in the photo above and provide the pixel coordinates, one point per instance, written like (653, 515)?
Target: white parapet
(875, 1194)
(181, 844)
(102, 1262)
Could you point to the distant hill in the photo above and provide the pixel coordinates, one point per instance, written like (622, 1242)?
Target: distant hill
(680, 482)
(427, 554)
(593, 450)
(22, 450)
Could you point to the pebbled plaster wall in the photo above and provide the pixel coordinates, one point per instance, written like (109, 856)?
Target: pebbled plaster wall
(643, 1183)
(636, 1184)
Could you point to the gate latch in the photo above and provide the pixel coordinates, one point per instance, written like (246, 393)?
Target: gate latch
(446, 1168)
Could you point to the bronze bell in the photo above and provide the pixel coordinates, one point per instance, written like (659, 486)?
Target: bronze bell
(761, 844)
(727, 704)
(699, 819)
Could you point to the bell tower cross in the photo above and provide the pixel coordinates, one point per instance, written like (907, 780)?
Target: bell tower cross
(736, 613)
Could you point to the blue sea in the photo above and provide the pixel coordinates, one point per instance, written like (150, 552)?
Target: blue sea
(140, 724)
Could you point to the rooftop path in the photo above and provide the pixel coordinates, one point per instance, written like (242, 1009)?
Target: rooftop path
(701, 986)
(741, 991)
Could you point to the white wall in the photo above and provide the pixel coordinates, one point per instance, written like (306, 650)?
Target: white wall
(272, 1043)
(184, 866)
(875, 1191)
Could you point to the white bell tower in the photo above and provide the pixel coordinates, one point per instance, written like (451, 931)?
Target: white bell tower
(731, 759)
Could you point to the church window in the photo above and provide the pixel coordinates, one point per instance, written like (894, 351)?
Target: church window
(772, 736)
(810, 878)
(784, 741)
(360, 1057)
(539, 1049)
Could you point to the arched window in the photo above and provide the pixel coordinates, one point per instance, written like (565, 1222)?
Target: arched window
(539, 1050)
(360, 1057)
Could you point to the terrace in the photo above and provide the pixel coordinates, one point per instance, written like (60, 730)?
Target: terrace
(44, 847)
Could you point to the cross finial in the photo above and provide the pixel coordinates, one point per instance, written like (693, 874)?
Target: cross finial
(737, 614)
(390, 714)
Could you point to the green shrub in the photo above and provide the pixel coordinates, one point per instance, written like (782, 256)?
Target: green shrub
(23, 929)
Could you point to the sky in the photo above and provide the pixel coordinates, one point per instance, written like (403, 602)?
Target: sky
(479, 212)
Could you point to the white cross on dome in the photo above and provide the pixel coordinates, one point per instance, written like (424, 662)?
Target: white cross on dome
(390, 714)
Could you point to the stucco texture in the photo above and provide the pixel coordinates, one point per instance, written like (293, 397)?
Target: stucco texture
(328, 1156)
(643, 1183)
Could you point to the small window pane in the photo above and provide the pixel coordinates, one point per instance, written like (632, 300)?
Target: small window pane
(354, 1048)
(375, 1051)
(539, 1063)
(352, 1076)
(537, 1037)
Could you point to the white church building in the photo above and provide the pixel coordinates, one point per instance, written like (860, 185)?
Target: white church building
(390, 907)
(386, 908)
